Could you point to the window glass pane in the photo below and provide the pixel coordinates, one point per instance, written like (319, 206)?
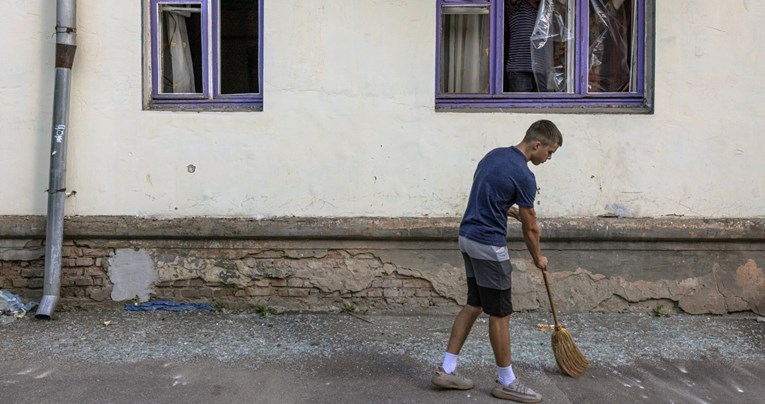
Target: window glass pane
(539, 46)
(180, 39)
(465, 50)
(611, 46)
(238, 65)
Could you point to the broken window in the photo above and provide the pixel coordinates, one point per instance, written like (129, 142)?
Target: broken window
(544, 53)
(206, 53)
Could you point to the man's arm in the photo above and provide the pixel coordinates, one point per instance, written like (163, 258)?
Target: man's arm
(514, 213)
(531, 235)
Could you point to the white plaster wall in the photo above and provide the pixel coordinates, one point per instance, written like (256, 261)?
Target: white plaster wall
(349, 127)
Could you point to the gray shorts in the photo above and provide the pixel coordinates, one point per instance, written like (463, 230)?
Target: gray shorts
(488, 273)
(489, 265)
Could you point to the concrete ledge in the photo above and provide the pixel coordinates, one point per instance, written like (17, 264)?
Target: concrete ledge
(379, 228)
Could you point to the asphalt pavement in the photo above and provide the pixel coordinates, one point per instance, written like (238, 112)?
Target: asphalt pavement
(223, 356)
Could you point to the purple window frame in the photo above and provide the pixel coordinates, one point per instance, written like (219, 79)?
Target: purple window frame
(210, 95)
(496, 99)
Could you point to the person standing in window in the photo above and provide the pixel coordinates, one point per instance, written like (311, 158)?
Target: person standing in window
(520, 74)
(501, 180)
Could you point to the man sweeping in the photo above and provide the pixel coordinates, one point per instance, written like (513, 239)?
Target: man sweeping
(502, 180)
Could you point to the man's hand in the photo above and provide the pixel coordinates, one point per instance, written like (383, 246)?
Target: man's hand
(541, 263)
(514, 213)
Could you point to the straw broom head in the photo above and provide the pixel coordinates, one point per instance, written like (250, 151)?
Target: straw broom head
(570, 359)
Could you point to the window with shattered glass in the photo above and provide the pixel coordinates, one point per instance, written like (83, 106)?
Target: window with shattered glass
(206, 53)
(544, 54)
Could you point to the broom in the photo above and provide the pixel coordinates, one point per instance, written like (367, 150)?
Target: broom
(570, 360)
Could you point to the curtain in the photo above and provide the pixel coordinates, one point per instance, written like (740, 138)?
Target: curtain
(178, 74)
(465, 53)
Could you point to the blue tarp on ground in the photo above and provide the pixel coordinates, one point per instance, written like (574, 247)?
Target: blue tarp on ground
(14, 304)
(167, 305)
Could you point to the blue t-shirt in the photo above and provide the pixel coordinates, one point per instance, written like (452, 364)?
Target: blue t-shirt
(502, 179)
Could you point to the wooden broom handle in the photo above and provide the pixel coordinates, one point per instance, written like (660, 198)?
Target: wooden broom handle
(549, 295)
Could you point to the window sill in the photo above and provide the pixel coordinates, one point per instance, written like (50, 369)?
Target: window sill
(559, 106)
(207, 105)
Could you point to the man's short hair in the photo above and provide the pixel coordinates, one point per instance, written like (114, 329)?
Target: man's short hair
(544, 131)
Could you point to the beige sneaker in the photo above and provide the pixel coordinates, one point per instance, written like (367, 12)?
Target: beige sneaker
(516, 391)
(451, 380)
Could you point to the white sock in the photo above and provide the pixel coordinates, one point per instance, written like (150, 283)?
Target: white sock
(505, 375)
(450, 362)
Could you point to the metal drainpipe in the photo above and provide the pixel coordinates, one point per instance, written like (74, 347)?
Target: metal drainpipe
(54, 233)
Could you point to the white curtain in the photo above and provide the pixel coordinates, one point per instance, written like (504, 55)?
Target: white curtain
(180, 77)
(465, 59)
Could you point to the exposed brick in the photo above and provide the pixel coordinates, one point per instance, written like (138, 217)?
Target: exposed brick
(298, 292)
(390, 292)
(83, 281)
(181, 284)
(258, 291)
(225, 292)
(8, 271)
(190, 293)
(392, 283)
(19, 282)
(35, 283)
(100, 281)
(295, 282)
(72, 271)
(422, 292)
(68, 262)
(416, 283)
(278, 282)
(196, 282)
(84, 261)
(34, 243)
(375, 292)
(93, 252)
(261, 282)
(282, 292)
(72, 292)
(421, 302)
(94, 271)
(164, 293)
(205, 292)
(98, 294)
(406, 292)
(71, 252)
(403, 301)
(32, 272)
(377, 283)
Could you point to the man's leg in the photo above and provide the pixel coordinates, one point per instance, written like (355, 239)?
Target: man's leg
(463, 323)
(445, 376)
(508, 386)
(499, 336)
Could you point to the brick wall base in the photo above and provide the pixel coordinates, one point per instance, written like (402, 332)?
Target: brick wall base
(393, 265)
